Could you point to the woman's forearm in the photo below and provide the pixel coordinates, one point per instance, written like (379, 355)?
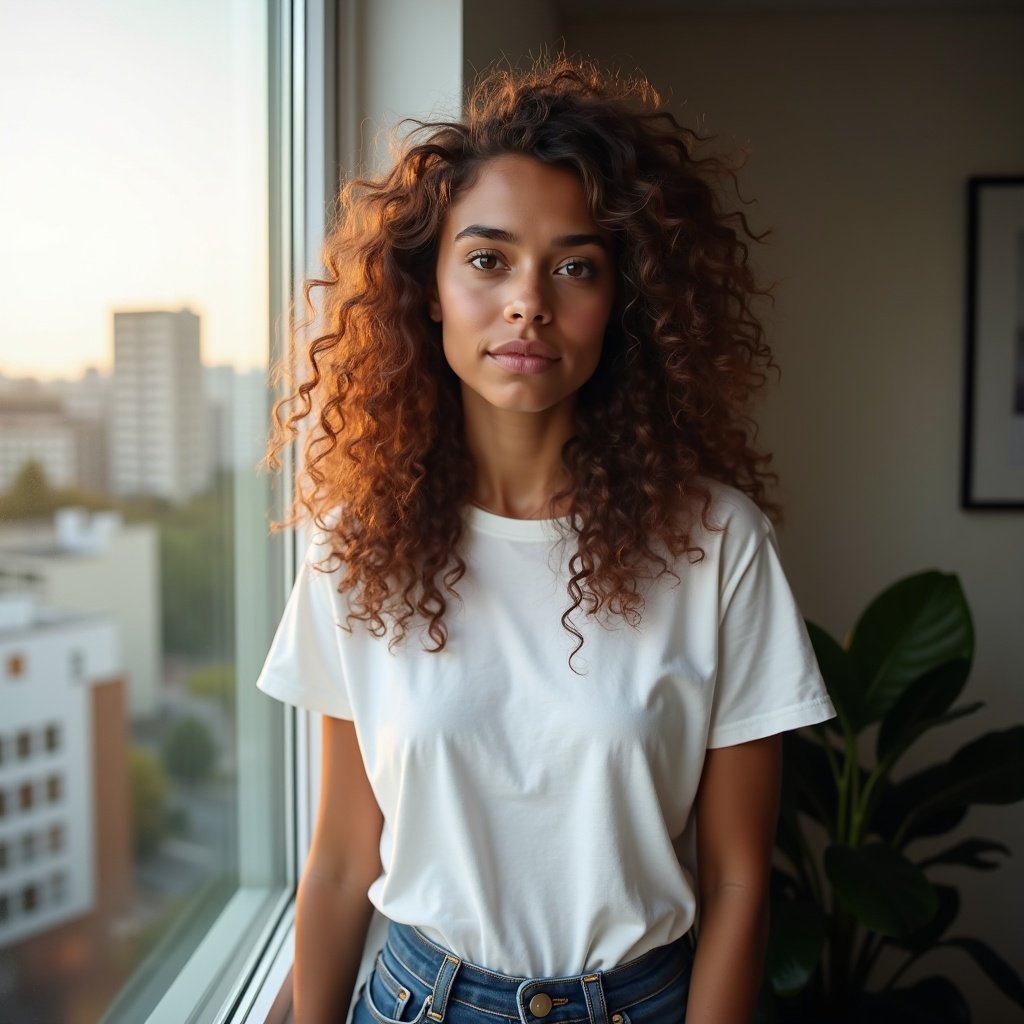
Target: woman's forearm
(730, 957)
(331, 921)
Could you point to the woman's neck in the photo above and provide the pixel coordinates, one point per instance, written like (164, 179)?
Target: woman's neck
(518, 459)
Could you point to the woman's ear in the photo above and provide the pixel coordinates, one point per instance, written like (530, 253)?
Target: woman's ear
(434, 305)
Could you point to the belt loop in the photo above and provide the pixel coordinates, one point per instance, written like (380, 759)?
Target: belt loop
(442, 987)
(593, 992)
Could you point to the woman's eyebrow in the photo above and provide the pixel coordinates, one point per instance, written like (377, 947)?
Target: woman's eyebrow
(501, 235)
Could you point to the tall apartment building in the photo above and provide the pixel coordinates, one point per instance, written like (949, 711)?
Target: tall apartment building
(159, 424)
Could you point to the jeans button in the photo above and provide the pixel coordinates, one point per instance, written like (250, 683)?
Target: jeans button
(540, 1004)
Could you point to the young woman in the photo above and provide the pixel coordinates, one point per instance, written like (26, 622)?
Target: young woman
(543, 612)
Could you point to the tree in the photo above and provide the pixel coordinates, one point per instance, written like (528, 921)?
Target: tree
(29, 495)
(189, 751)
(213, 682)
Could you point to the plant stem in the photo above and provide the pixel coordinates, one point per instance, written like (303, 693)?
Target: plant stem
(866, 956)
(899, 972)
(839, 777)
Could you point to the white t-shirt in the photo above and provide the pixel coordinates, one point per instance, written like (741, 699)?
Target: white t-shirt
(535, 817)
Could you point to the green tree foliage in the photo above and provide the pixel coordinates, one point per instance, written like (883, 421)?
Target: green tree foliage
(197, 574)
(149, 801)
(189, 751)
(30, 496)
(213, 682)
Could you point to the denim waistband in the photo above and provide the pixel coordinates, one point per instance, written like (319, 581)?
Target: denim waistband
(596, 995)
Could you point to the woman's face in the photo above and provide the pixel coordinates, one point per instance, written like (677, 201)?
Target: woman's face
(525, 285)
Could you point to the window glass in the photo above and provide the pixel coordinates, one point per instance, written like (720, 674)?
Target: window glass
(141, 776)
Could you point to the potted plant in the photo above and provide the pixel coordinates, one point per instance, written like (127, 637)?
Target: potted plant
(855, 899)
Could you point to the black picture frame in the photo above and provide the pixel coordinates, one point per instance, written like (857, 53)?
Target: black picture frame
(992, 467)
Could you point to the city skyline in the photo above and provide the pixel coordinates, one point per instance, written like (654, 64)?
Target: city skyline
(135, 177)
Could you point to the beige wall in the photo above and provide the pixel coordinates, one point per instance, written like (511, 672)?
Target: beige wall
(863, 130)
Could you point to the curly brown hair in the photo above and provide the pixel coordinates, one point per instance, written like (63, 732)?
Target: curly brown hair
(386, 472)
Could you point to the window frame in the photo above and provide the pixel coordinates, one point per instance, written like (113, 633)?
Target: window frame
(302, 62)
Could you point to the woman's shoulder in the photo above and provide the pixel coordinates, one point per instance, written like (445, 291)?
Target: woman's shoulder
(733, 514)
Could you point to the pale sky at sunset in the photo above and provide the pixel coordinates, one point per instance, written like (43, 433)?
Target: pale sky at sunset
(132, 175)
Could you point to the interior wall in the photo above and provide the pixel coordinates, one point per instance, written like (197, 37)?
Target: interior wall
(510, 32)
(401, 60)
(862, 131)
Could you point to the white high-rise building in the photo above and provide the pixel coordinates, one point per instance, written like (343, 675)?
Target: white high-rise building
(159, 425)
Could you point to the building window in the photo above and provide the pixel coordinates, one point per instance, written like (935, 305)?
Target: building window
(56, 837)
(28, 848)
(15, 666)
(24, 742)
(3, 803)
(29, 898)
(52, 738)
(3, 856)
(54, 788)
(26, 796)
(5, 907)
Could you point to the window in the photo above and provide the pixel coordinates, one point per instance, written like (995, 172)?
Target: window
(54, 788)
(29, 898)
(143, 780)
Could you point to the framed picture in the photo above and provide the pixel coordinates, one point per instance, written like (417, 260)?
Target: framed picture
(993, 457)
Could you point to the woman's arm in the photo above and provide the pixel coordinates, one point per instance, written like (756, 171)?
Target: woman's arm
(332, 911)
(737, 809)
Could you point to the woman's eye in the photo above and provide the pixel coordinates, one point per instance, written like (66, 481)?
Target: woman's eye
(484, 261)
(577, 269)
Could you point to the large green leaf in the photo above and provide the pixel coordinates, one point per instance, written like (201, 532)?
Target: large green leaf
(795, 941)
(925, 937)
(881, 888)
(1001, 973)
(845, 686)
(914, 626)
(970, 853)
(989, 770)
(921, 706)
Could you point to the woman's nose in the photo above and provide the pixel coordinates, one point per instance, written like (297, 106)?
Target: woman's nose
(528, 303)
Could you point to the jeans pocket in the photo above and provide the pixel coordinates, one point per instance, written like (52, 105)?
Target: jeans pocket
(391, 1000)
(666, 1005)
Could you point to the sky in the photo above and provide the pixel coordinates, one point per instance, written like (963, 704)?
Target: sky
(132, 176)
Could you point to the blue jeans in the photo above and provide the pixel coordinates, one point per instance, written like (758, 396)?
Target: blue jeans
(415, 981)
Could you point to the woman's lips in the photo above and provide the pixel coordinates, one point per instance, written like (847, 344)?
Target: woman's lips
(524, 357)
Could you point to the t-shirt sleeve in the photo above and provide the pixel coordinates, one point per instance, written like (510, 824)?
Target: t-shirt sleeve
(768, 679)
(303, 666)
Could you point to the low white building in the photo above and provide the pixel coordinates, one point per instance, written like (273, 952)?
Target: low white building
(48, 662)
(96, 563)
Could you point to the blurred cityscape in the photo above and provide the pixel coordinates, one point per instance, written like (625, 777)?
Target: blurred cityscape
(118, 806)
